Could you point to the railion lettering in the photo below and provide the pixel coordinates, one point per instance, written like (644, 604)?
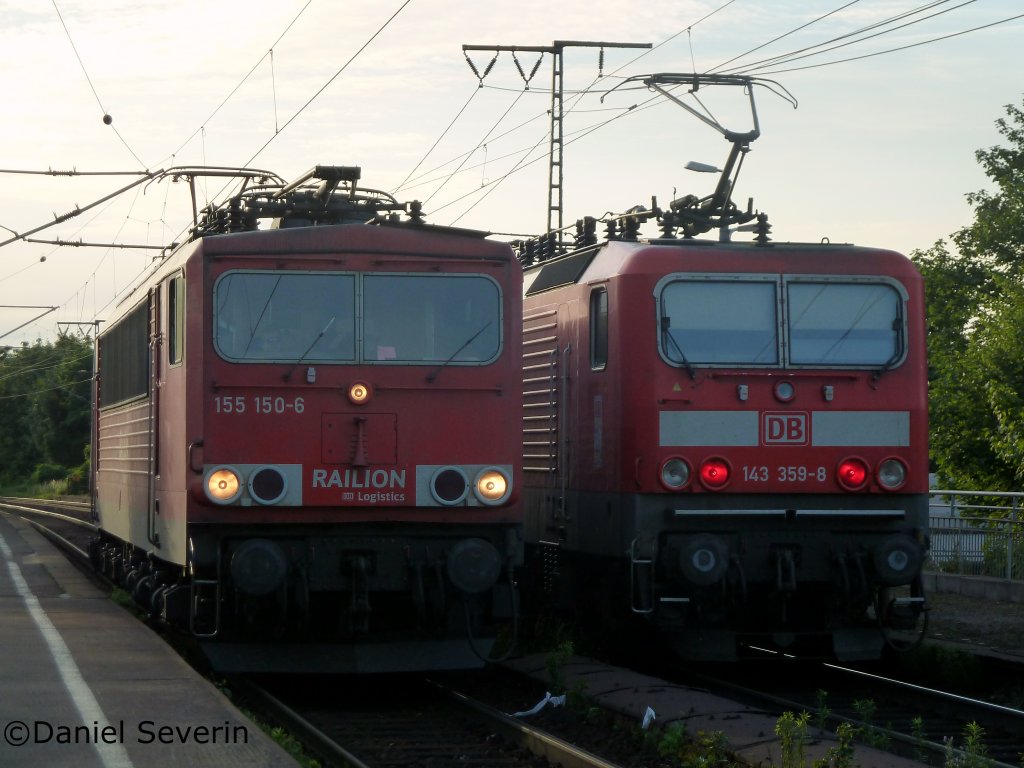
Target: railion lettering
(359, 478)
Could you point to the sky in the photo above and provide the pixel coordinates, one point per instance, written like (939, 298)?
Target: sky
(880, 149)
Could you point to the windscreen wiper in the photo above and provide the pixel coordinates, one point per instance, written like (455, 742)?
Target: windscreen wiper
(309, 349)
(433, 374)
(666, 333)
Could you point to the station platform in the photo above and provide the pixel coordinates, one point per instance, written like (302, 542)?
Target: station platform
(84, 683)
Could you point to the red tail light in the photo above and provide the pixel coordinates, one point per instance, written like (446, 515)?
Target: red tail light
(714, 474)
(852, 474)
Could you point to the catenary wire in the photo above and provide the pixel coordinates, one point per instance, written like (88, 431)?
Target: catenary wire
(860, 35)
(330, 80)
(93, 87)
(934, 40)
(289, 121)
(898, 48)
(578, 95)
(783, 35)
(242, 82)
(438, 141)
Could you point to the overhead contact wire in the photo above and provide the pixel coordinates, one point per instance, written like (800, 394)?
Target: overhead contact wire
(897, 49)
(333, 77)
(93, 87)
(439, 138)
(244, 79)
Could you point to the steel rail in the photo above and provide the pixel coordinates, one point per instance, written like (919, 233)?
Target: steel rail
(553, 749)
(16, 508)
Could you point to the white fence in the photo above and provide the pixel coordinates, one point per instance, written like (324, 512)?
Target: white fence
(977, 533)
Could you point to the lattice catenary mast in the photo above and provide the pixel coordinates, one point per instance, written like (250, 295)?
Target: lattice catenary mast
(556, 49)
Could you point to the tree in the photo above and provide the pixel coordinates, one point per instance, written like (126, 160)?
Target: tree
(975, 304)
(996, 238)
(45, 406)
(62, 410)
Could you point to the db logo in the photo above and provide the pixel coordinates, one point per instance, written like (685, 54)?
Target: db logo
(784, 429)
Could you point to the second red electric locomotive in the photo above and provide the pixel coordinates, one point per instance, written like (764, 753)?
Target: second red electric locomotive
(729, 439)
(307, 435)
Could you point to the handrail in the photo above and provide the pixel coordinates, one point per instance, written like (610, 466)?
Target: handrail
(998, 494)
(981, 539)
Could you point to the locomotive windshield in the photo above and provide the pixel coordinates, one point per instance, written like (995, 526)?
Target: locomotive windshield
(788, 320)
(430, 318)
(720, 322)
(844, 324)
(357, 318)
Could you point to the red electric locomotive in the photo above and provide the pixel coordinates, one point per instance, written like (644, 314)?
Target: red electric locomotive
(729, 439)
(306, 437)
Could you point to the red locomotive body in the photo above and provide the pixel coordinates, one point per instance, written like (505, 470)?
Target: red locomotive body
(730, 439)
(307, 438)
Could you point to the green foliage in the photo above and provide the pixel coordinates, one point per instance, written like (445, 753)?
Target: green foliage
(43, 473)
(975, 304)
(672, 741)
(709, 749)
(555, 664)
(792, 732)
(868, 733)
(920, 737)
(841, 755)
(972, 753)
(291, 745)
(821, 716)
(45, 407)
(578, 697)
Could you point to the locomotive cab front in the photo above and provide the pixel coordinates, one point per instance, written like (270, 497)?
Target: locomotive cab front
(749, 440)
(315, 466)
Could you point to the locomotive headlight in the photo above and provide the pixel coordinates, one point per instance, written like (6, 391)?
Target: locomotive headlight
(223, 485)
(359, 393)
(852, 474)
(714, 474)
(675, 473)
(891, 474)
(491, 486)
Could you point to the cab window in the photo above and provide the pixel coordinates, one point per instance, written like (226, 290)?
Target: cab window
(285, 316)
(289, 317)
(176, 320)
(598, 329)
(430, 318)
(719, 322)
(844, 324)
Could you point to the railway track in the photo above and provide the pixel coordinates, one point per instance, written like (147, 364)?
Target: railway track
(65, 522)
(387, 723)
(909, 719)
(391, 722)
(402, 726)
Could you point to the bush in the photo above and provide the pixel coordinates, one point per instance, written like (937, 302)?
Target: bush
(44, 473)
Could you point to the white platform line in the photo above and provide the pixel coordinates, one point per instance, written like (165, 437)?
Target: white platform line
(111, 755)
